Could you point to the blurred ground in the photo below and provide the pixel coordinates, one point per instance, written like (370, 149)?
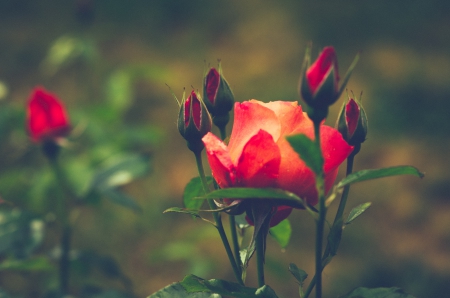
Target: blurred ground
(404, 71)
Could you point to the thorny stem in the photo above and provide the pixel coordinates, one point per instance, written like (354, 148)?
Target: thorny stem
(218, 220)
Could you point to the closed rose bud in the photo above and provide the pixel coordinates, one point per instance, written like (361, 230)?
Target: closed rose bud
(194, 122)
(319, 85)
(219, 98)
(47, 119)
(352, 122)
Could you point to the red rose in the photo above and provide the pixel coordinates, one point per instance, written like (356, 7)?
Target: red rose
(47, 118)
(258, 154)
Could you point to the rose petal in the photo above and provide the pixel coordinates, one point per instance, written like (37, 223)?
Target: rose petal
(219, 160)
(259, 162)
(289, 113)
(281, 214)
(249, 118)
(335, 151)
(294, 175)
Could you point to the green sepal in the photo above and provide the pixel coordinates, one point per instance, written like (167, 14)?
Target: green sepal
(326, 93)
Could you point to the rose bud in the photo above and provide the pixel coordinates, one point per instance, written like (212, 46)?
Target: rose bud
(194, 122)
(219, 98)
(47, 120)
(319, 83)
(352, 122)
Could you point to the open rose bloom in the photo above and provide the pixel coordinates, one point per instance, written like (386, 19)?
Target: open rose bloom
(258, 154)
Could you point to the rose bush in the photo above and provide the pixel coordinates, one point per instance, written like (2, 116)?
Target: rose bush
(258, 154)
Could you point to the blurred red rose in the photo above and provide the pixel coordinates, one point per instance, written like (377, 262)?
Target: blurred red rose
(47, 118)
(258, 154)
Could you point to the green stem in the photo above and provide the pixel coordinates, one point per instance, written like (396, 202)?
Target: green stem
(346, 191)
(218, 220)
(321, 219)
(260, 257)
(338, 217)
(234, 238)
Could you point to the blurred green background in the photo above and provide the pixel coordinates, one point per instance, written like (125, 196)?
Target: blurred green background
(110, 61)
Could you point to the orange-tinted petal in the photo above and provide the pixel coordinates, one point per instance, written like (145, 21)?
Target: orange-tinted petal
(249, 118)
(259, 162)
(294, 175)
(289, 113)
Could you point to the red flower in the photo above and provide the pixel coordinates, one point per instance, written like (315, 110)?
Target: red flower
(258, 154)
(47, 118)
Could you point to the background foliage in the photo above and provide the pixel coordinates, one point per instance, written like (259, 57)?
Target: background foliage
(109, 62)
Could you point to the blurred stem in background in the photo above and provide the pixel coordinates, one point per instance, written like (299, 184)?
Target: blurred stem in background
(64, 219)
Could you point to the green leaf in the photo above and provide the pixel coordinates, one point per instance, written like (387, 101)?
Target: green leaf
(122, 199)
(194, 189)
(176, 290)
(308, 151)
(20, 233)
(379, 173)
(119, 90)
(120, 171)
(377, 293)
(194, 284)
(183, 210)
(282, 233)
(187, 211)
(242, 193)
(299, 274)
(334, 237)
(34, 264)
(357, 211)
